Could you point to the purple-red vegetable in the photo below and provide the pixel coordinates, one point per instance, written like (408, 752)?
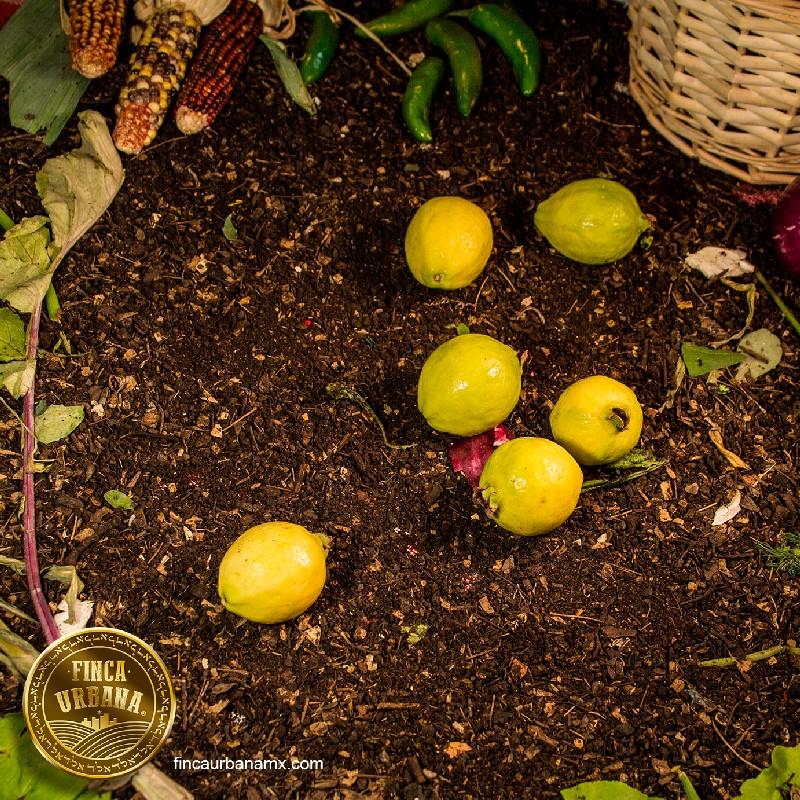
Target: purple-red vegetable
(786, 230)
(468, 455)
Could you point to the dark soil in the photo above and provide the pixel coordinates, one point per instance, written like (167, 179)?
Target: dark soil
(203, 366)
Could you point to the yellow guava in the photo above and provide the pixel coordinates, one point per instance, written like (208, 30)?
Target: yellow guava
(530, 485)
(593, 221)
(273, 572)
(469, 384)
(597, 419)
(448, 243)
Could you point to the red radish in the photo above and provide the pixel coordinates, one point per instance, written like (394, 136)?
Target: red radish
(786, 230)
(468, 455)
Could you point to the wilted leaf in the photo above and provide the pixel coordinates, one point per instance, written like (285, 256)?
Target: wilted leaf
(26, 263)
(455, 749)
(17, 376)
(734, 460)
(73, 613)
(764, 352)
(57, 422)
(15, 652)
(290, 76)
(12, 336)
(229, 229)
(680, 374)
(725, 513)
(715, 262)
(603, 790)
(78, 187)
(34, 58)
(117, 499)
(638, 458)
(702, 360)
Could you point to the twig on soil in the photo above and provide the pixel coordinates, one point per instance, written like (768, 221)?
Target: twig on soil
(338, 391)
(732, 749)
(758, 655)
(370, 35)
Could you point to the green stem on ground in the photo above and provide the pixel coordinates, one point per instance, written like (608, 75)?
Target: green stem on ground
(686, 783)
(778, 300)
(6, 223)
(759, 655)
(52, 304)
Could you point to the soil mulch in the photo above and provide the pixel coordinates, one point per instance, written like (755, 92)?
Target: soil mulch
(203, 366)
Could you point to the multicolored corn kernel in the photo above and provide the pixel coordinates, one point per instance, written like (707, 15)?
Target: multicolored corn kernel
(158, 66)
(95, 30)
(219, 64)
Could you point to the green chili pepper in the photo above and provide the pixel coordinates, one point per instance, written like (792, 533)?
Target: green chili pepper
(514, 37)
(461, 49)
(320, 47)
(408, 17)
(421, 88)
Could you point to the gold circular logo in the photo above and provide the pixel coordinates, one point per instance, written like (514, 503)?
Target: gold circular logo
(98, 703)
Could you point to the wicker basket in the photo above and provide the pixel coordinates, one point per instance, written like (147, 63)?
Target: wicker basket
(720, 79)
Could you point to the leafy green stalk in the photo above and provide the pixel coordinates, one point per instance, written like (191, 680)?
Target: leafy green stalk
(75, 190)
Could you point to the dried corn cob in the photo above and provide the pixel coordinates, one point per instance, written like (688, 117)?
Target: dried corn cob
(95, 30)
(220, 61)
(157, 68)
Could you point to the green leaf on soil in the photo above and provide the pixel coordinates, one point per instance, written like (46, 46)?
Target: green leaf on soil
(17, 376)
(776, 780)
(117, 499)
(12, 336)
(57, 422)
(785, 556)
(17, 654)
(462, 329)
(603, 790)
(229, 229)
(415, 632)
(34, 58)
(26, 263)
(26, 774)
(702, 360)
(78, 187)
(289, 74)
(764, 352)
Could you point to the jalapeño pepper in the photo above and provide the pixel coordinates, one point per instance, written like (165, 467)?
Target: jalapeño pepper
(461, 49)
(514, 37)
(320, 47)
(421, 88)
(408, 17)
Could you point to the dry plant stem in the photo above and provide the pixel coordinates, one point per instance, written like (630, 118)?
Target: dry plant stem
(28, 494)
(360, 25)
(778, 300)
(759, 655)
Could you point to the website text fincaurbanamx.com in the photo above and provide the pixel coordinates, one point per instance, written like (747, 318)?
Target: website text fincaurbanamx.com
(246, 764)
